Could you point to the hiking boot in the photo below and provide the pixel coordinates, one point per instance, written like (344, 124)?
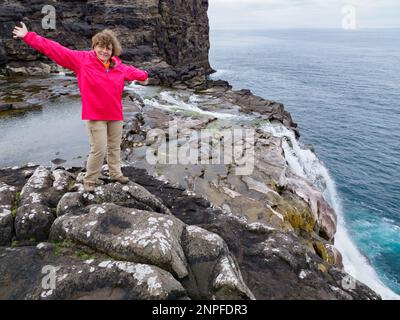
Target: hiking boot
(89, 187)
(121, 179)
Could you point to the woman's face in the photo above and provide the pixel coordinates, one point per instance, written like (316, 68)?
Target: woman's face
(103, 53)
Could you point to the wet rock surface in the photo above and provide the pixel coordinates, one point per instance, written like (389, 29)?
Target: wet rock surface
(220, 152)
(19, 94)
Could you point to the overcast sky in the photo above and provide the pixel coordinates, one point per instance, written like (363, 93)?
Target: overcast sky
(267, 14)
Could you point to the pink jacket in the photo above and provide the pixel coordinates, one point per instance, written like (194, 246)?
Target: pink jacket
(101, 91)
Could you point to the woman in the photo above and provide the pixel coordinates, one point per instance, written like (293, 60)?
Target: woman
(101, 76)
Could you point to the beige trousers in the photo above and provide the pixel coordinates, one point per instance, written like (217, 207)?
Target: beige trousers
(105, 139)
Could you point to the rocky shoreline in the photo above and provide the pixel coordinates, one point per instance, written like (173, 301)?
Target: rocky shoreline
(148, 240)
(194, 231)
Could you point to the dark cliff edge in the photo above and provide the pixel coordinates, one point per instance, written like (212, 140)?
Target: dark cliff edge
(174, 231)
(167, 38)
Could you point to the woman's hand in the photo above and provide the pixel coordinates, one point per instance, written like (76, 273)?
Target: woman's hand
(144, 83)
(20, 32)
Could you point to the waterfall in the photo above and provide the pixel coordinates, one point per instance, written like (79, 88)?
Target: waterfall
(305, 163)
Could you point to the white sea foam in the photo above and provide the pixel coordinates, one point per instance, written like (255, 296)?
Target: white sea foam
(169, 101)
(305, 163)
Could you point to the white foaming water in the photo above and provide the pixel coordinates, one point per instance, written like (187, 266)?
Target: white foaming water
(172, 103)
(305, 163)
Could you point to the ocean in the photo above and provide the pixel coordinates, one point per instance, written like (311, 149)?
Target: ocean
(343, 89)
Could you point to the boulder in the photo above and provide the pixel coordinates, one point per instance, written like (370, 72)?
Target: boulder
(27, 274)
(38, 199)
(33, 222)
(129, 234)
(215, 271)
(129, 195)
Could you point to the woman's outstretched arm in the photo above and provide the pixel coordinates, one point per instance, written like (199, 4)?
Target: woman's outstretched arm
(132, 73)
(70, 59)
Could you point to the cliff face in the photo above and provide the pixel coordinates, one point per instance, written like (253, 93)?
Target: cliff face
(166, 37)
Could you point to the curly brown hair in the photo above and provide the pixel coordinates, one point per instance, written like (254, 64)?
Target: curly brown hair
(105, 38)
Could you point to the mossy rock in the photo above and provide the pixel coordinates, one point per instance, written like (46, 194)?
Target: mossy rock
(301, 220)
(76, 251)
(297, 213)
(322, 251)
(15, 204)
(62, 247)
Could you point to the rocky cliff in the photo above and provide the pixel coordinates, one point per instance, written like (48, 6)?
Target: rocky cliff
(148, 240)
(168, 38)
(201, 229)
(176, 231)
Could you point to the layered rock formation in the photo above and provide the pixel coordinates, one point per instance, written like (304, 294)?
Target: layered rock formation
(167, 38)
